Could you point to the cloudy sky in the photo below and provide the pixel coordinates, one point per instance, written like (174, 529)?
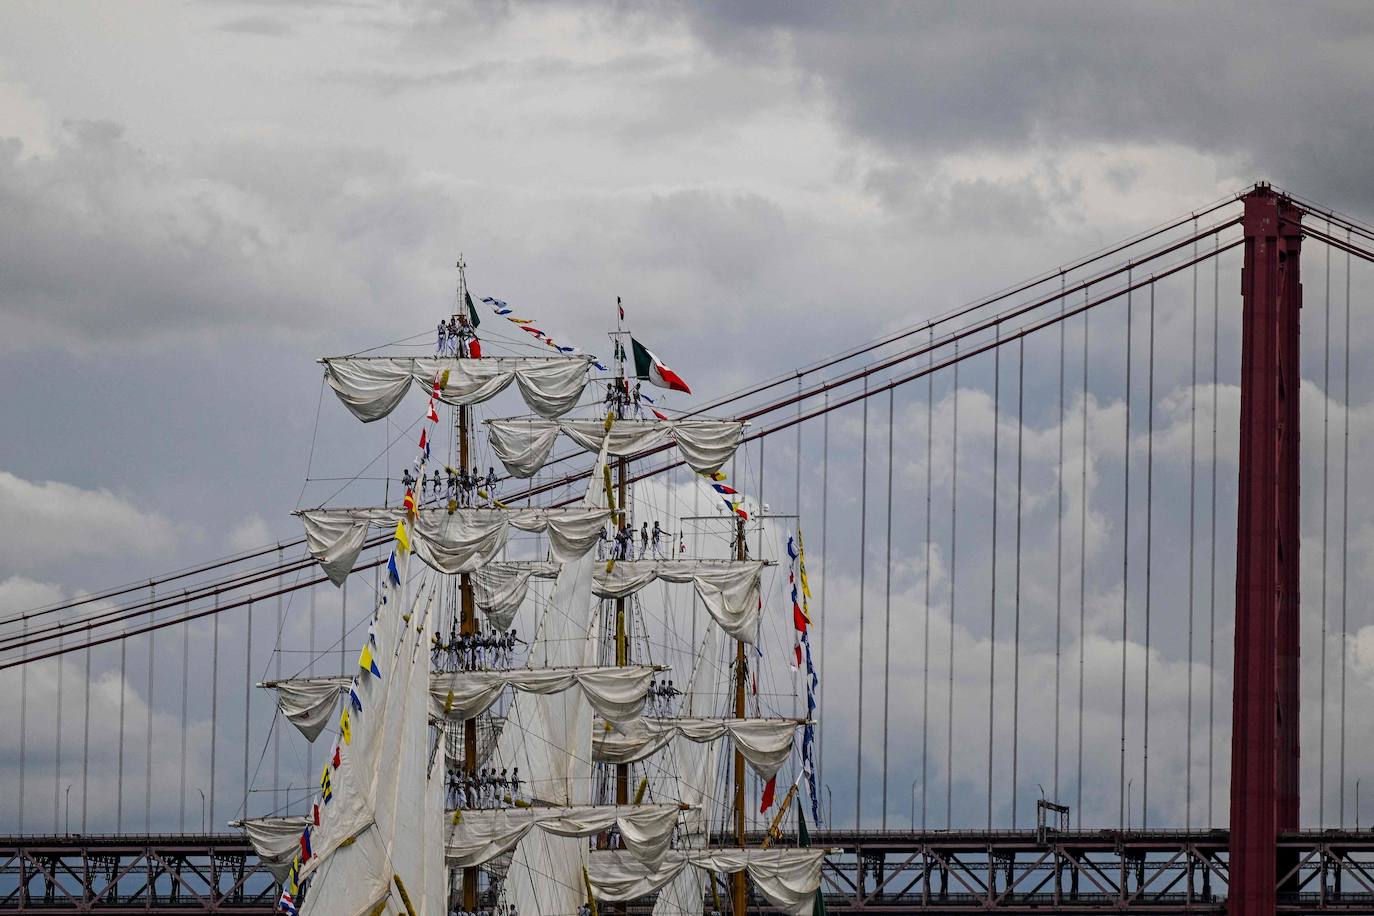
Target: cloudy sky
(198, 199)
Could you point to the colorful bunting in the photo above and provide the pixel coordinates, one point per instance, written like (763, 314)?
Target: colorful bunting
(368, 663)
(344, 731)
(402, 538)
(326, 786)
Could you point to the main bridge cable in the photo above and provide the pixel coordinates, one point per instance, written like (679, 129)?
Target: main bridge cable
(945, 318)
(906, 355)
(993, 322)
(926, 327)
(932, 366)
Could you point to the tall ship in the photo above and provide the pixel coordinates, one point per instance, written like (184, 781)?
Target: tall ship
(556, 706)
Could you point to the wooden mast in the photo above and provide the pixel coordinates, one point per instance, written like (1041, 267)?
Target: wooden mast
(739, 888)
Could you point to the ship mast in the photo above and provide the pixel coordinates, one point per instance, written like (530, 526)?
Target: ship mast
(468, 621)
(739, 890)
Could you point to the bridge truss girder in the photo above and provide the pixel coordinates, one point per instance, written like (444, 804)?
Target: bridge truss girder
(115, 875)
(936, 872)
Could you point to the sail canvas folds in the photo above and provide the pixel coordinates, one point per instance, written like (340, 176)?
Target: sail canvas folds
(381, 819)
(789, 878)
(728, 589)
(372, 387)
(479, 836)
(765, 743)
(524, 445)
(616, 693)
(450, 542)
(276, 840)
(309, 702)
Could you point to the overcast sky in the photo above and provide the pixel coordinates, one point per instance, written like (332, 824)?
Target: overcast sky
(198, 199)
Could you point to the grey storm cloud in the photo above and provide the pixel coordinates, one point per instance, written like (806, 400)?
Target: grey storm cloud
(193, 208)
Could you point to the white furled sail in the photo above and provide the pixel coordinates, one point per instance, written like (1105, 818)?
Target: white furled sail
(309, 702)
(524, 445)
(728, 589)
(276, 840)
(480, 836)
(378, 846)
(451, 542)
(616, 693)
(765, 743)
(789, 878)
(371, 387)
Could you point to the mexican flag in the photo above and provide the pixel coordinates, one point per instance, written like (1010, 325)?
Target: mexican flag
(649, 366)
(472, 309)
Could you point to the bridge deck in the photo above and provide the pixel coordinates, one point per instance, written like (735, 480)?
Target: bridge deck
(936, 872)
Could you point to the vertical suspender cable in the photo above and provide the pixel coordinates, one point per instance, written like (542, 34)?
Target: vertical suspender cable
(86, 747)
(119, 763)
(953, 583)
(887, 597)
(1125, 553)
(825, 572)
(1326, 466)
(276, 732)
(1212, 547)
(1082, 569)
(57, 758)
(925, 641)
(148, 751)
(24, 726)
(1149, 554)
(796, 502)
(247, 704)
(1192, 531)
(1059, 550)
(1345, 522)
(214, 708)
(992, 590)
(185, 722)
(863, 568)
(1016, 622)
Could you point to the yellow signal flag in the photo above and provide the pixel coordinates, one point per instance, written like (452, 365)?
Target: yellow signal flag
(402, 538)
(345, 731)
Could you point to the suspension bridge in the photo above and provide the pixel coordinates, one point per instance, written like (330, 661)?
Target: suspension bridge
(1087, 558)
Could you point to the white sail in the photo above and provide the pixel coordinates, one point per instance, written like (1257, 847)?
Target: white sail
(380, 835)
(549, 737)
(276, 840)
(309, 702)
(523, 445)
(451, 542)
(372, 387)
(788, 877)
(477, 837)
(765, 743)
(616, 693)
(688, 773)
(728, 589)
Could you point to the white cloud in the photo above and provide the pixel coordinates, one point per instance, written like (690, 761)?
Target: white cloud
(48, 521)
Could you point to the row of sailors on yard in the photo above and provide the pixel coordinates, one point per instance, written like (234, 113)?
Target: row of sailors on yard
(621, 545)
(459, 486)
(662, 697)
(491, 648)
(486, 789)
(501, 909)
